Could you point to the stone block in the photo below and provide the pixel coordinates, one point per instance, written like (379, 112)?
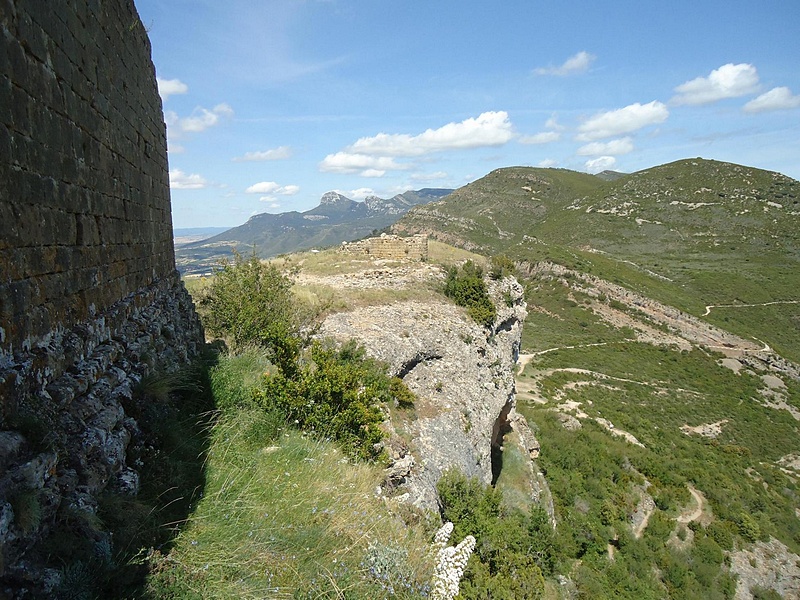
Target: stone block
(5, 115)
(20, 111)
(32, 38)
(87, 231)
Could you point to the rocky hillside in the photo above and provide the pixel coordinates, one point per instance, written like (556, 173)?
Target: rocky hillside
(461, 372)
(336, 219)
(659, 367)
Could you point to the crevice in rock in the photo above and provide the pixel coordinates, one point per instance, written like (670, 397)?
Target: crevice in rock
(507, 325)
(501, 427)
(419, 357)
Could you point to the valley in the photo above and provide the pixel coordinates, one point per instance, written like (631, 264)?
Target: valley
(657, 389)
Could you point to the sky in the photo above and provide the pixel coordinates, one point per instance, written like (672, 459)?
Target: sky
(271, 103)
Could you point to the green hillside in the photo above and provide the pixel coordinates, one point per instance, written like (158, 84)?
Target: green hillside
(690, 233)
(658, 368)
(657, 371)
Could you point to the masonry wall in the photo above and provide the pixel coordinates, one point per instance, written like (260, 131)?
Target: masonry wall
(90, 302)
(390, 247)
(84, 198)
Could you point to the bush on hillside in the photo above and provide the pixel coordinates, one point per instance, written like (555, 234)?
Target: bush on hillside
(337, 395)
(467, 288)
(502, 266)
(250, 303)
(512, 548)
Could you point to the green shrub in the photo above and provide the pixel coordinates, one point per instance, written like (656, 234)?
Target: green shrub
(501, 266)
(467, 288)
(512, 548)
(250, 302)
(762, 593)
(337, 395)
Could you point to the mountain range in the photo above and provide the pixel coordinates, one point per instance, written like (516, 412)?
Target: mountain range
(336, 219)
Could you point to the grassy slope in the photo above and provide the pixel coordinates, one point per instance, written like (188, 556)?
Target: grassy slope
(689, 234)
(719, 241)
(284, 515)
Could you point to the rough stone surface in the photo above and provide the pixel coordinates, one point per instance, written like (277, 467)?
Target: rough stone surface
(768, 565)
(386, 246)
(90, 301)
(461, 372)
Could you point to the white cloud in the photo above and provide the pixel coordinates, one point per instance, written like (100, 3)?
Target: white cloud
(488, 129)
(368, 166)
(272, 188)
(548, 163)
(170, 87)
(361, 192)
(174, 148)
(436, 176)
(200, 119)
(279, 153)
(273, 204)
(779, 98)
(624, 120)
(178, 180)
(729, 81)
(613, 147)
(578, 63)
(603, 163)
(545, 137)
(553, 124)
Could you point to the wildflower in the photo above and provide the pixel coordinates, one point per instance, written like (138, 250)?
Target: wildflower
(450, 564)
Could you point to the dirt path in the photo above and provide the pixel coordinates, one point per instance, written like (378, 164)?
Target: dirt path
(688, 517)
(710, 306)
(524, 359)
(644, 510)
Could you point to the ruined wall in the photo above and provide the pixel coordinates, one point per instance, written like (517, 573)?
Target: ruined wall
(90, 301)
(390, 247)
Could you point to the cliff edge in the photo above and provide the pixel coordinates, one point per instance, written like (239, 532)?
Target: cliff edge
(462, 374)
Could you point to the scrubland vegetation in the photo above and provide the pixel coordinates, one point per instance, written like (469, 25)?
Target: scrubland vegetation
(597, 480)
(285, 504)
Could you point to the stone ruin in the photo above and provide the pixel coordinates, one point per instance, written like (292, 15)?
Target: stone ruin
(392, 247)
(90, 301)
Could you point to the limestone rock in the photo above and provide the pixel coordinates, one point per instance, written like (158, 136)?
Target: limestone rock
(461, 373)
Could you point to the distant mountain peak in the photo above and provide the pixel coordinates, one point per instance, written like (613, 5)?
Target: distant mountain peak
(329, 198)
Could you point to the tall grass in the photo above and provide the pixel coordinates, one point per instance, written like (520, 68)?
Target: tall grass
(284, 515)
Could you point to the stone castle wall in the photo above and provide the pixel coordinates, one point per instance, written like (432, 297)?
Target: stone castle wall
(84, 188)
(390, 247)
(90, 301)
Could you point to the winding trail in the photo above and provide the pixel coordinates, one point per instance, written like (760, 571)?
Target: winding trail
(685, 517)
(710, 306)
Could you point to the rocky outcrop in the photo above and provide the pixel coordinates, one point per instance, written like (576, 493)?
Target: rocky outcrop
(463, 377)
(766, 566)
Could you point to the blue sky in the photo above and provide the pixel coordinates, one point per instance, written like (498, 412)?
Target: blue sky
(271, 103)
